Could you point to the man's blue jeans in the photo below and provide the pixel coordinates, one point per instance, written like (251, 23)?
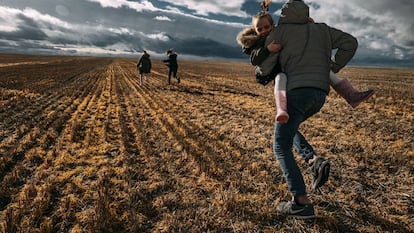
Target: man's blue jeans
(302, 104)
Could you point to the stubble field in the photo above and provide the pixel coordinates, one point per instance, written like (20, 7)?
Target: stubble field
(85, 148)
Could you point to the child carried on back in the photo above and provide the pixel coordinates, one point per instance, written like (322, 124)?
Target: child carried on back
(265, 58)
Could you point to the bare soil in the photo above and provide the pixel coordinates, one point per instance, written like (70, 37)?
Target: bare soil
(85, 148)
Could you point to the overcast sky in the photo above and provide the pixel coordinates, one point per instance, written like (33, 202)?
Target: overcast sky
(196, 29)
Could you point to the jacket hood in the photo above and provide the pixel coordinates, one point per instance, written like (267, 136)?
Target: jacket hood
(294, 11)
(247, 38)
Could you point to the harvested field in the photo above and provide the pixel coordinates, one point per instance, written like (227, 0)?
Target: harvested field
(85, 148)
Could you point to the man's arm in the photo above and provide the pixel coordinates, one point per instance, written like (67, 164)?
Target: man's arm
(346, 45)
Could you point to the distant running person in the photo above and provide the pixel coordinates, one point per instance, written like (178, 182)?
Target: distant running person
(144, 66)
(171, 62)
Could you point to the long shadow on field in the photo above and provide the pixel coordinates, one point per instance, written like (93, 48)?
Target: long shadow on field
(385, 224)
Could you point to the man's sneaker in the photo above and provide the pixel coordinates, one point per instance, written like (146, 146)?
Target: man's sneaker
(320, 169)
(293, 210)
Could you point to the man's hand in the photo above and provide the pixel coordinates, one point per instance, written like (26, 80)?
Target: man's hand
(274, 47)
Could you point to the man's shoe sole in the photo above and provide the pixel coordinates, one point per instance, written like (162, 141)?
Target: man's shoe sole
(323, 175)
(299, 212)
(301, 217)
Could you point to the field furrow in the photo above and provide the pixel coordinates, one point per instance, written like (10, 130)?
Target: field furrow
(85, 148)
(37, 146)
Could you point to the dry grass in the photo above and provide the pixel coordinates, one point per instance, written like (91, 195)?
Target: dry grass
(84, 148)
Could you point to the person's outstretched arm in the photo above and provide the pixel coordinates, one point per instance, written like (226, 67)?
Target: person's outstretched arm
(346, 45)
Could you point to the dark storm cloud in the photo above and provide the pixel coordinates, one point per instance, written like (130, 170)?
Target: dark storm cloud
(23, 47)
(28, 30)
(384, 29)
(205, 28)
(206, 48)
(85, 23)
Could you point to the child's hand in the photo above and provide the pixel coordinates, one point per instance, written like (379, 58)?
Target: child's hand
(274, 47)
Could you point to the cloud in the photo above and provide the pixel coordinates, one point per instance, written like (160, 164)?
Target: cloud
(384, 29)
(41, 29)
(8, 19)
(111, 3)
(207, 48)
(51, 34)
(206, 7)
(159, 36)
(138, 6)
(162, 18)
(62, 10)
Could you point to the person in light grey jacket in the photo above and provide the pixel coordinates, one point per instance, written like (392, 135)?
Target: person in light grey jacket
(252, 40)
(305, 58)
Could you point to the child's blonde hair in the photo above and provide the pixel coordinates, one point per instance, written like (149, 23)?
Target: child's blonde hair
(264, 13)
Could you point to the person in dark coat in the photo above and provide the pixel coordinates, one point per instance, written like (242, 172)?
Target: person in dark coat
(171, 62)
(144, 66)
